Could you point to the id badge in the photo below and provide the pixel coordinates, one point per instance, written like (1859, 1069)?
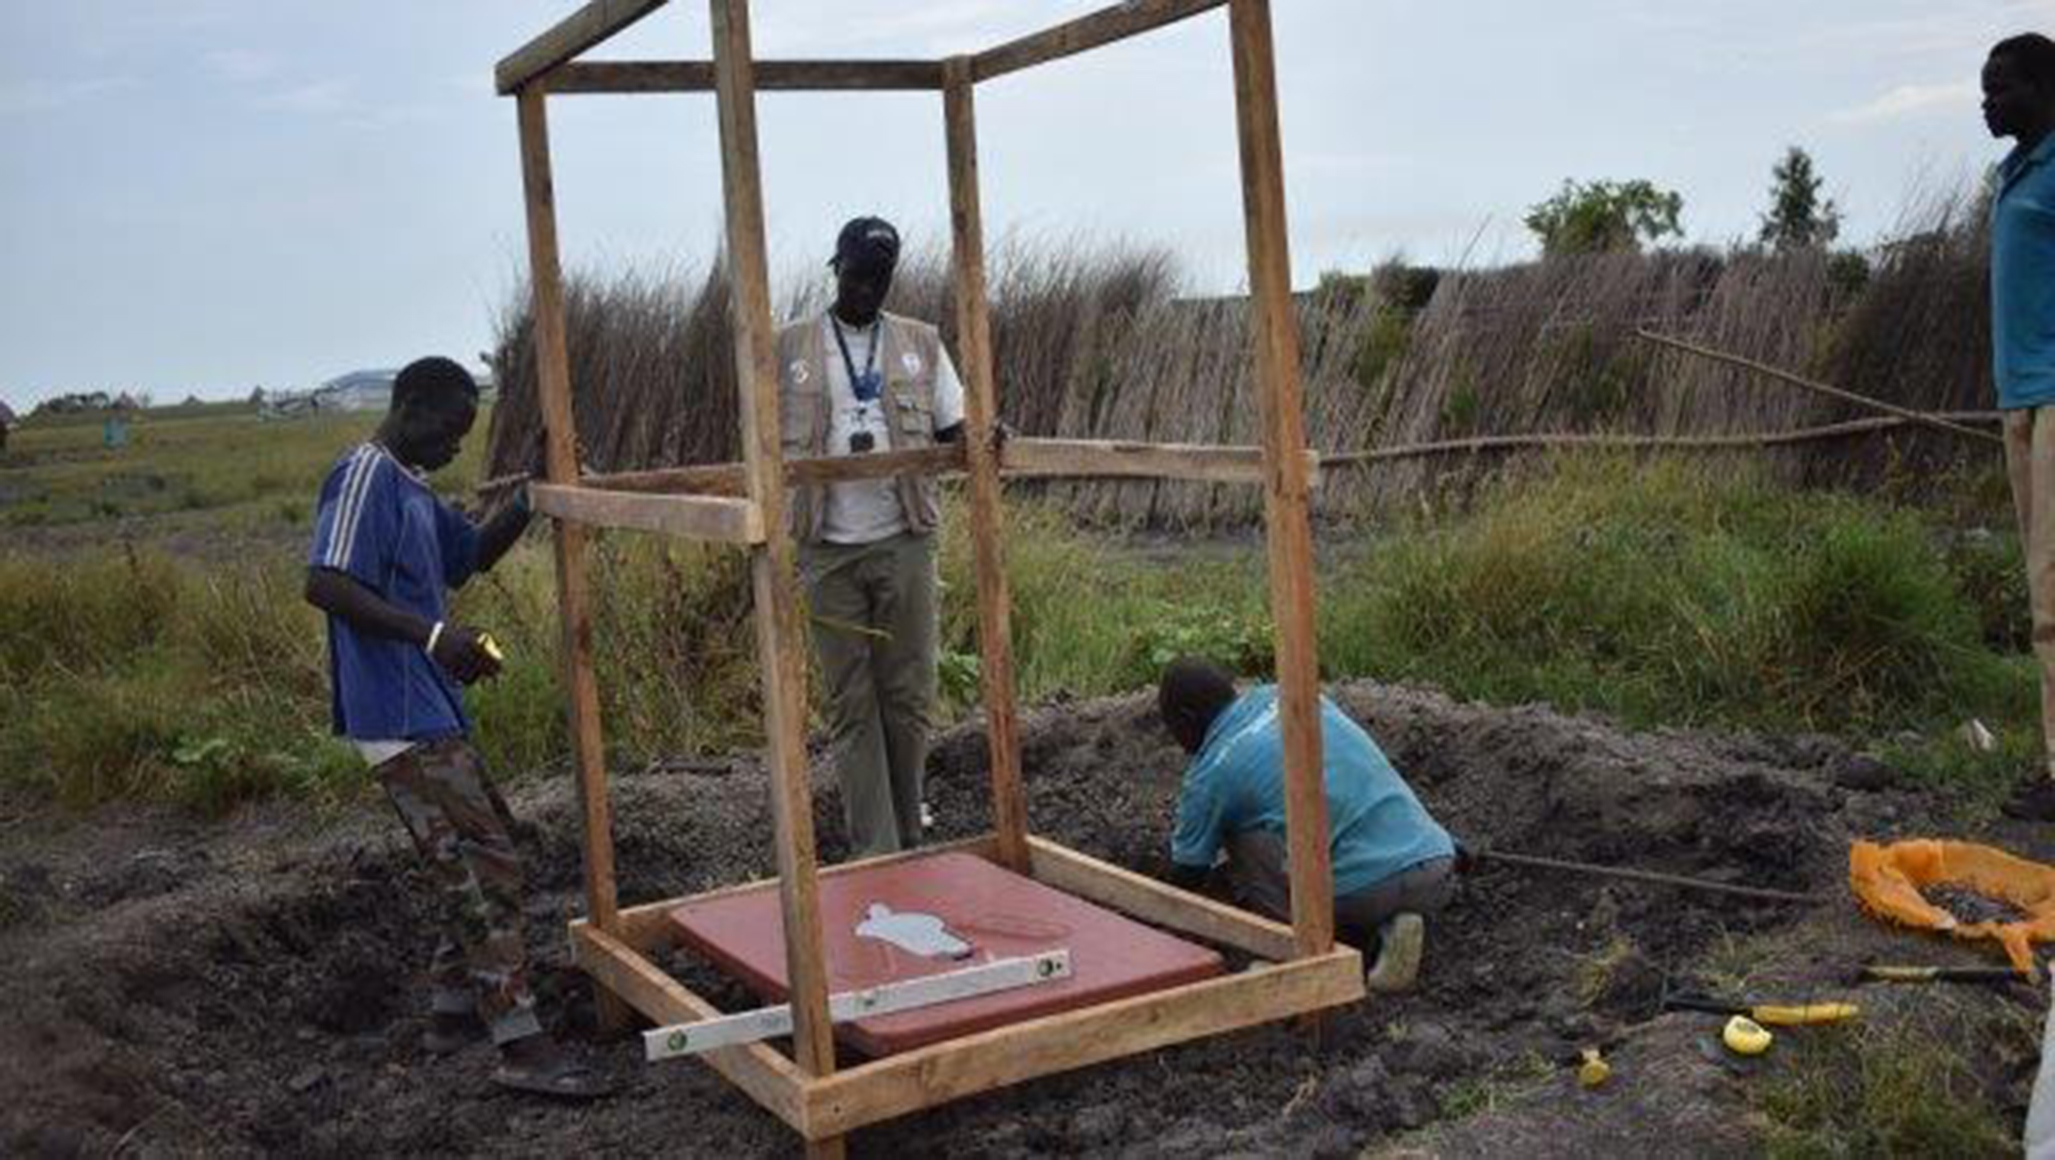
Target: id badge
(868, 386)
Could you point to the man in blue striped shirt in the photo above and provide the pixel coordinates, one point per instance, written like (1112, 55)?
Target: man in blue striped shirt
(387, 550)
(1392, 862)
(2019, 102)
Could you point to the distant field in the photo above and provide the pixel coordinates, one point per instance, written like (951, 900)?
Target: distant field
(218, 458)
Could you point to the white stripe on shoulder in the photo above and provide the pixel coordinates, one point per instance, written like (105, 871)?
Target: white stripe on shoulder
(374, 460)
(345, 502)
(346, 467)
(350, 507)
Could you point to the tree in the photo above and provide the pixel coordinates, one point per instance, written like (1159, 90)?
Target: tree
(1799, 219)
(1605, 216)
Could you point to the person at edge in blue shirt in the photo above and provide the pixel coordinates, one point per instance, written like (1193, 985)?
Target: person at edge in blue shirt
(2019, 102)
(1393, 863)
(386, 552)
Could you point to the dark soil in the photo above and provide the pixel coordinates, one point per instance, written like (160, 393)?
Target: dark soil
(253, 987)
(1969, 906)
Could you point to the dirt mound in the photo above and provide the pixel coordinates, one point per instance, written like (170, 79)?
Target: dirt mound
(254, 986)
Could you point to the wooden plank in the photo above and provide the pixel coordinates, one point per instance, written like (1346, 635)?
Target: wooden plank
(732, 479)
(648, 926)
(697, 76)
(1032, 458)
(981, 414)
(928, 1076)
(572, 35)
(574, 600)
(727, 521)
(760, 1071)
(1156, 902)
(780, 642)
(1086, 32)
(699, 1036)
(1289, 528)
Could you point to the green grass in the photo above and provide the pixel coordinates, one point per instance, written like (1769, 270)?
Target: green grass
(137, 676)
(1662, 594)
(1849, 1091)
(1669, 594)
(216, 458)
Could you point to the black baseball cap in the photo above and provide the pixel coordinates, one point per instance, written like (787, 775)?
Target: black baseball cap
(867, 241)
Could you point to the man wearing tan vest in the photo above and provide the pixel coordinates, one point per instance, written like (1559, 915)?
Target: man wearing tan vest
(858, 381)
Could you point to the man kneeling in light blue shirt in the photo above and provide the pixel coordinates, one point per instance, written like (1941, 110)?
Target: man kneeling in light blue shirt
(1393, 863)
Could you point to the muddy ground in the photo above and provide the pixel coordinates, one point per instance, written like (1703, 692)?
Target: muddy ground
(168, 985)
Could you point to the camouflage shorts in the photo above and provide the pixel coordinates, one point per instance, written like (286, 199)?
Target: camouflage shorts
(461, 826)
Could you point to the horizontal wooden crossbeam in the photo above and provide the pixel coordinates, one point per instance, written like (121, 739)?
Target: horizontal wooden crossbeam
(697, 76)
(1033, 458)
(1021, 458)
(570, 36)
(727, 479)
(1086, 32)
(699, 517)
(648, 926)
(1143, 897)
(955, 1068)
(551, 54)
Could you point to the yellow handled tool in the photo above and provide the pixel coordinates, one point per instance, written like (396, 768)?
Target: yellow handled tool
(1769, 1014)
(1786, 1015)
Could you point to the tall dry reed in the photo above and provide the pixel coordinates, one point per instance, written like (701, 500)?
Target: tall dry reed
(1097, 343)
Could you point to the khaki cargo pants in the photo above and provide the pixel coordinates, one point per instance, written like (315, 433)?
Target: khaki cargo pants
(1256, 863)
(873, 608)
(2030, 466)
(461, 825)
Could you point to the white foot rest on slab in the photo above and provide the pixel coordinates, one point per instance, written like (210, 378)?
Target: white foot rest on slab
(883, 999)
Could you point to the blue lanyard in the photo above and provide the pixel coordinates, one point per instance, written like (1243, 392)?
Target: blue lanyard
(866, 386)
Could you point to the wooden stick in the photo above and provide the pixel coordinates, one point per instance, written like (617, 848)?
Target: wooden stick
(981, 413)
(697, 76)
(1086, 32)
(570, 36)
(1817, 388)
(1024, 458)
(780, 643)
(1483, 443)
(1290, 534)
(699, 517)
(1157, 903)
(574, 601)
(648, 926)
(731, 479)
(1650, 876)
(955, 1068)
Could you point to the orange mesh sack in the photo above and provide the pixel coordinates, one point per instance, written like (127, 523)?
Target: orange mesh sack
(1887, 881)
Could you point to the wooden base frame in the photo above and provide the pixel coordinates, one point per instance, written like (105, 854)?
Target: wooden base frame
(1275, 986)
(1299, 969)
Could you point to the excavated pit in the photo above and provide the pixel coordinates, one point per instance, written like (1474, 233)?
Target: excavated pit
(252, 986)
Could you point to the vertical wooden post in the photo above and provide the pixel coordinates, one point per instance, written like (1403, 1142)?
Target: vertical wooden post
(574, 598)
(981, 413)
(778, 635)
(1275, 332)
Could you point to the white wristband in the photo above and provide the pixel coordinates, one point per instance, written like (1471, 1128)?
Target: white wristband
(434, 634)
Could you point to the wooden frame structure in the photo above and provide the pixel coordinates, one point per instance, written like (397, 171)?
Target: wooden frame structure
(1303, 969)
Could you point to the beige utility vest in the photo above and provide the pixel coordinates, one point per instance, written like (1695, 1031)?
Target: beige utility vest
(908, 353)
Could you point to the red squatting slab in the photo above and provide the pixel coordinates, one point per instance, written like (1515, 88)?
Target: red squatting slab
(944, 912)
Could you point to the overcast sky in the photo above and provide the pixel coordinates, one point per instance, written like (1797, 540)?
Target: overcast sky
(200, 196)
